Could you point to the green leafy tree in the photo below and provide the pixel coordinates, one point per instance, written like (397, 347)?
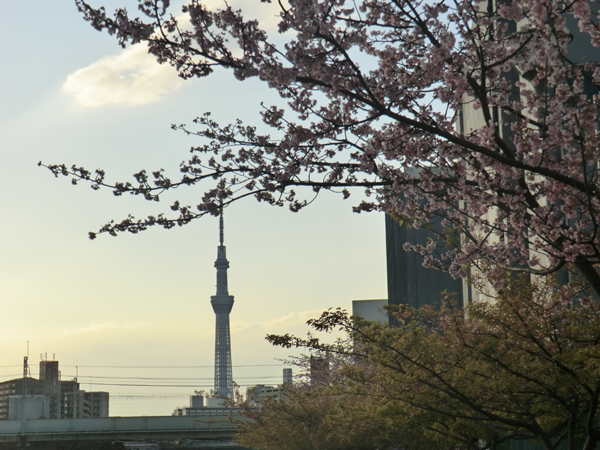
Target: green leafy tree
(526, 367)
(345, 415)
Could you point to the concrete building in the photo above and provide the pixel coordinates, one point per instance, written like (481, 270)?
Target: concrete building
(70, 398)
(261, 392)
(38, 398)
(579, 50)
(98, 402)
(77, 403)
(31, 407)
(50, 377)
(74, 405)
(49, 372)
(49, 397)
(206, 406)
(214, 407)
(372, 310)
(17, 388)
(408, 281)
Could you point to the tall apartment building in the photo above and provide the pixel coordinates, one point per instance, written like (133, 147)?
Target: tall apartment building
(408, 281)
(579, 50)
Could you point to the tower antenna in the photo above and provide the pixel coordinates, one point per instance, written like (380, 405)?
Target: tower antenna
(25, 371)
(221, 227)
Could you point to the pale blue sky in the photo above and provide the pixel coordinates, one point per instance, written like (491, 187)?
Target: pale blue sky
(144, 300)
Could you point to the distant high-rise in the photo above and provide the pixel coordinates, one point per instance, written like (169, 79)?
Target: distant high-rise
(222, 304)
(409, 283)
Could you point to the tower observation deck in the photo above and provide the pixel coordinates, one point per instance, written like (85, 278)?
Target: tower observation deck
(222, 303)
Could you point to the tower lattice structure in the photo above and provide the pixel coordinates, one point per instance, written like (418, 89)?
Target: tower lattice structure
(222, 304)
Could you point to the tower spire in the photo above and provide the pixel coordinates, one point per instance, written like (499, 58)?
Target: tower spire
(221, 240)
(222, 303)
(221, 264)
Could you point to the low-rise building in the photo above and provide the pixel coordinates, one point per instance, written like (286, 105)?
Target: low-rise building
(98, 403)
(262, 392)
(214, 407)
(25, 387)
(30, 407)
(49, 397)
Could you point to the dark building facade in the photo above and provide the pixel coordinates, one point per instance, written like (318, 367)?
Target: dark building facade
(320, 372)
(409, 282)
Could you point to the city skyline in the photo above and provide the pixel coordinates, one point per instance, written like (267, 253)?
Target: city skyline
(71, 95)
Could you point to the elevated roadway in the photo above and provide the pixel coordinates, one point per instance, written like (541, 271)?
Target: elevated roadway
(154, 428)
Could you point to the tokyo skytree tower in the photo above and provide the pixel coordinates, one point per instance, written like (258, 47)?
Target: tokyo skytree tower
(222, 304)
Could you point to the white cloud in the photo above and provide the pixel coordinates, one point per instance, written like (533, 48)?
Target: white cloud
(131, 78)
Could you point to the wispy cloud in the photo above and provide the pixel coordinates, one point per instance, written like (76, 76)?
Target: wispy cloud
(132, 77)
(92, 328)
(289, 322)
(294, 318)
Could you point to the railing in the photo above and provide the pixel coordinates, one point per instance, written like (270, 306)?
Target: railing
(118, 428)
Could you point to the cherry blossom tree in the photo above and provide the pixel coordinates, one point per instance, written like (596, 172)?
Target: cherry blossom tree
(346, 410)
(338, 416)
(525, 367)
(376, 97)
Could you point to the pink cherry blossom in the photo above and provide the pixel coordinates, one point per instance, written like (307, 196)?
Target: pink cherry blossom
(376, 96)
